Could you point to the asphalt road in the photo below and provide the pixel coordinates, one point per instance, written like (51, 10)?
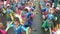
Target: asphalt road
(37, 22)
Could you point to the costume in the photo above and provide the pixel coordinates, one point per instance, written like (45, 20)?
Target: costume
(2, 31)
(44, 25)
(18, 29)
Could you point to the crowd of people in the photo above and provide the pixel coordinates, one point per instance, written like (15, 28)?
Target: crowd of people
(50, 14)
(17, 14)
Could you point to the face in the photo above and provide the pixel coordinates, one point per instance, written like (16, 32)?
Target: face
(52, 11)
(1, 26)
(8, 7)
(16, 22)
(16, 1)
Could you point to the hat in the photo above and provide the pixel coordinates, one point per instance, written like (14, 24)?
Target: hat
(48, 4)
(8, 4)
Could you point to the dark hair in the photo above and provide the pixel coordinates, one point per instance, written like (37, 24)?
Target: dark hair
(26, 10)
(59, 2)
(16, 19)
(47, 5)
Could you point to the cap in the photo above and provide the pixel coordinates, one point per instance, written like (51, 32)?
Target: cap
(8, 4)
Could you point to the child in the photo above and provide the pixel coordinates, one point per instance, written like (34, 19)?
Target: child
(50, 15)
(17, 27)
(2, 31)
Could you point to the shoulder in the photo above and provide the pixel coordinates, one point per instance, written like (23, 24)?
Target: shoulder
(48, 14)
(3, 31)
(20, 25)
(12, 25)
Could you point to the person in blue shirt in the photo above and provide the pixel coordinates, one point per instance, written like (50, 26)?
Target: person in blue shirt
(42, 3)
(50, 16)
(13, 6)
(29, 14)
(17, 27)
(32, 7)
(8, 11)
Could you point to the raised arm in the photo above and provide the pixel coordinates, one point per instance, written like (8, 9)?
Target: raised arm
(25, 29)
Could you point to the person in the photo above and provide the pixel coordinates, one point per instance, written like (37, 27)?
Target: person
(44, 25)
(17, 27)
(50, 15)
(58, 30)
(2, 31)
